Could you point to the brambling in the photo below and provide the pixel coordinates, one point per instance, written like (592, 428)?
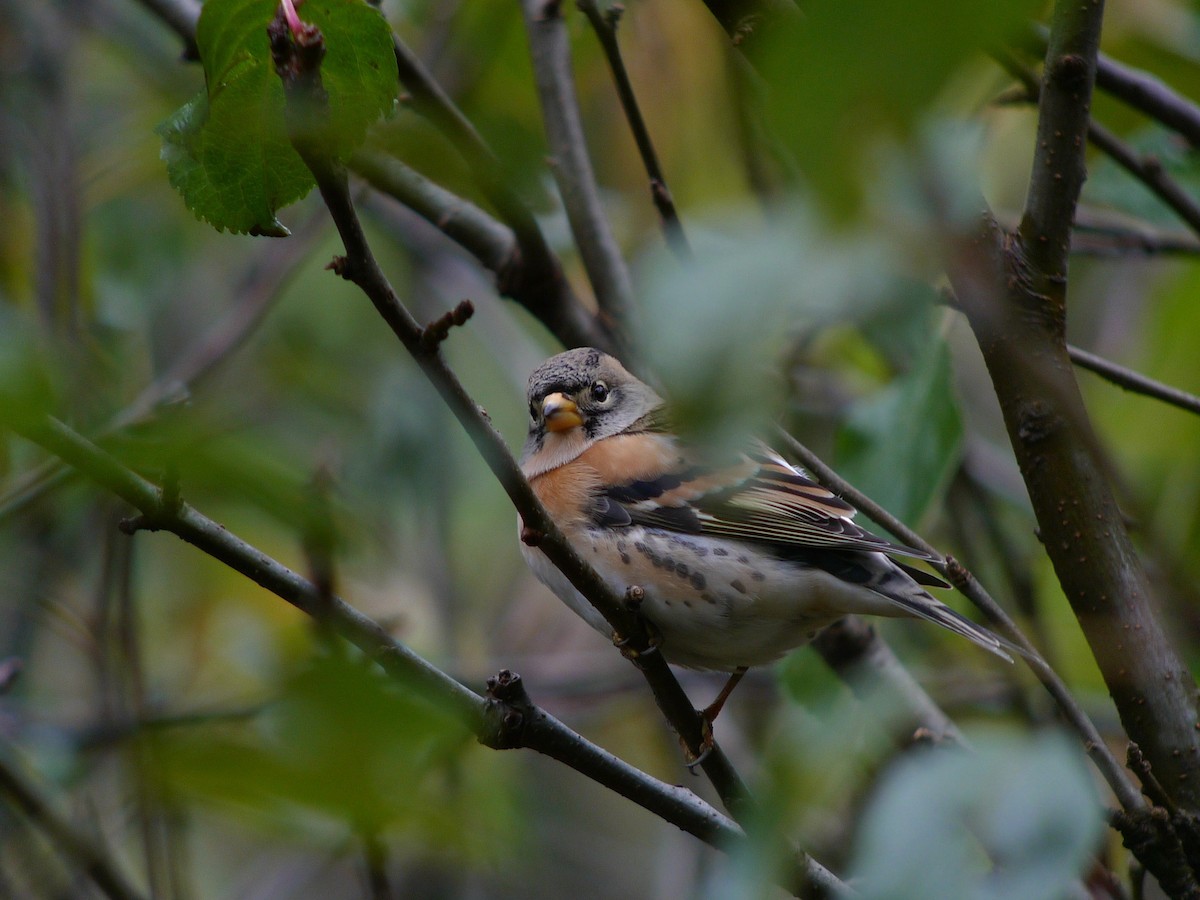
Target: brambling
(738, 564)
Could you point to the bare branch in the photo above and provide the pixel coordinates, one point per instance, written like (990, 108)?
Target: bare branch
(1143, 92)
(550, 50)
(541, 732)
(80, 850)
(1112, 770)
(1134, 381)
(1146, 169)
(1013, 291)
(1151, 96)
(605, 26)
(490, 242)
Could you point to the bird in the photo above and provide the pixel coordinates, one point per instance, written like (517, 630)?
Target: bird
(738, 562)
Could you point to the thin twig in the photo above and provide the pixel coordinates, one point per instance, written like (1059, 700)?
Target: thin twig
(1133, 381)
(1146, 169)
(605, 26)
(257, 290)
(856, 653)
(1112, 770)
(1143, 92)
(79, 849)
(1104, 233)
(549, 48)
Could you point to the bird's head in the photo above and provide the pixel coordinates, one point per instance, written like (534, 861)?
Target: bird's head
(578, 397)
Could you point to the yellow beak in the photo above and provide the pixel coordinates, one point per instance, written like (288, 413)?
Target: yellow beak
(560, 413)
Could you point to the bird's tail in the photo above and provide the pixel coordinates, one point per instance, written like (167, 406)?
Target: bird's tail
(902, 590)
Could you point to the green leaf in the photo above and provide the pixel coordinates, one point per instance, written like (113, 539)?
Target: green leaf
(720, 327)
(901, 445)
(228, 152)
(341, 741)
(941, 818)
(1110, 185)
(852, 72)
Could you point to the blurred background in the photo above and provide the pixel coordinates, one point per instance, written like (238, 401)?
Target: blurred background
(203, 733)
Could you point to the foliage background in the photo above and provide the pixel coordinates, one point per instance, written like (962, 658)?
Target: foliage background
(218, 746)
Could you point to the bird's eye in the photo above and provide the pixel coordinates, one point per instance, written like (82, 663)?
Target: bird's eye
(599, 391)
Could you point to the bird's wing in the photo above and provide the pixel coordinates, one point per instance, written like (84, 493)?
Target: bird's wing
(761, 499)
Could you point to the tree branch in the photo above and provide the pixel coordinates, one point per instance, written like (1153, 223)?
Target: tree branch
(1133, 381)
(605, 26)
(1149, 95)
(549, 49)
(1143, 92)
(538, 730)
(1110, 768)
(1147, 170)
(532, 275)
(1013, 291)
(76, 847)
(299, 68)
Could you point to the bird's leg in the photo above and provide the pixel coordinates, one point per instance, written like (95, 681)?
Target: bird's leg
(710, 712)
(708, 715)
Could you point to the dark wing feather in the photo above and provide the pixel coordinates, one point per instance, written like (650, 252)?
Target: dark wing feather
(762, 500)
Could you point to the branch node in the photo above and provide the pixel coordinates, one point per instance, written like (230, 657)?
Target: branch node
(508, 709)
(531, 537)
(439, 329)
(140, 522)
(340, 266)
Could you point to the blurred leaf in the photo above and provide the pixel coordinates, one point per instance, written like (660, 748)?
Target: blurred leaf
(717, 330)
(228, 152)
(343, 741)
(1025, 803)
(1110, 185)
(901, 445)
(847, 73)
(27, 378)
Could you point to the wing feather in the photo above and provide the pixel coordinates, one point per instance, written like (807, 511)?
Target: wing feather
(761, 499)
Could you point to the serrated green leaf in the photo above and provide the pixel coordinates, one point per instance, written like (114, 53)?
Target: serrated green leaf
(901, 445)
(228, 152)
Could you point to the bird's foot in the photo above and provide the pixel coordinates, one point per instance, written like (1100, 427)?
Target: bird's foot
(650, 639)
(707, 742)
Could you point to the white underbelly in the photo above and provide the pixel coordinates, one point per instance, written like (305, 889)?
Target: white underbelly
(715, 609)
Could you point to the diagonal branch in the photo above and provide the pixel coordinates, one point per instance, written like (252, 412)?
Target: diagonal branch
(1134, 381)
(1108, 765)
(76, 847)
(605, 26)
(1013, 291)
(549, 48)
(536, 730)
(1148, 170)
(1143, 92)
